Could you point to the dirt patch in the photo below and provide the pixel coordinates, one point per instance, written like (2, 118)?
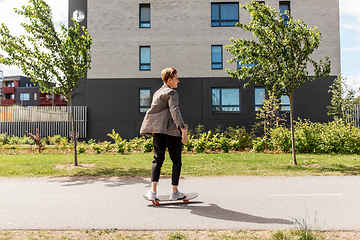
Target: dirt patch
(72, 166)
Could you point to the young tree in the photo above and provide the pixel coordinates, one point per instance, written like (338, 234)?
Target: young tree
(55, 61)
(278, 58)
(342, 100)
(270, 112)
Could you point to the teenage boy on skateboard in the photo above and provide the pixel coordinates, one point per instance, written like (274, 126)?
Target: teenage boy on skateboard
(164, 122)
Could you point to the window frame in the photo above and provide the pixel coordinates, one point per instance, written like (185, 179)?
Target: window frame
(257, 106)
(220, 21)
(144, 106)
(141, 64)
(217, 63)
(285, 17)
(22, 97)
(143, 6)
(220, 106)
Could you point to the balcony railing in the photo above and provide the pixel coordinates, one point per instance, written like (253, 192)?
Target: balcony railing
(7, 102)
(8, 89)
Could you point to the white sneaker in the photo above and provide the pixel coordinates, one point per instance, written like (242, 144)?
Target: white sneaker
(151, 195)
(177, 196)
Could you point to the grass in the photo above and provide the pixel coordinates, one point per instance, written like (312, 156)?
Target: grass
(24, 163)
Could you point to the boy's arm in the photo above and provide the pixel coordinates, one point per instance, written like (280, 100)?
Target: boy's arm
(184, 135)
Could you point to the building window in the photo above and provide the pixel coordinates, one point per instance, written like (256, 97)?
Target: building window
(144, 15)
(145, 100)
(35, 96)
(145, 58)
(244, 65)
(9, 84)
(285, 103)
(216, 57)
(225, 100)
(224, 14)
(284, 6)
(24, 96)
(259, 97)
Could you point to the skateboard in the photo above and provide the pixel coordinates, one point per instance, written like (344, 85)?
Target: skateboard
(166, 198)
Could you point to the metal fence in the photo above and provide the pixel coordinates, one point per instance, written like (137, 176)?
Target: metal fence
(355, 116)
(15, 120)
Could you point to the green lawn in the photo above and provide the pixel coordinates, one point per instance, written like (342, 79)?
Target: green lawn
(21, 164)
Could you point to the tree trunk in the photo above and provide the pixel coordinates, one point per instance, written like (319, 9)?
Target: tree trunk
(292, 129)
(74, 137)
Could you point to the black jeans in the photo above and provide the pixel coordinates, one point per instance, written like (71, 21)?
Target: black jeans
(174, 145)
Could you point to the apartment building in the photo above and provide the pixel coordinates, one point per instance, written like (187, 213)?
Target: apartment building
(19, 90)
(1, 80)
(134, 40)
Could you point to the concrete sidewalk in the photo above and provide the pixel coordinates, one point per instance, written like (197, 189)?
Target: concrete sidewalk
(256, 203)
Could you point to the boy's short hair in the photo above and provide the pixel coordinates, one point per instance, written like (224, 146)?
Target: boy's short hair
(168, 73)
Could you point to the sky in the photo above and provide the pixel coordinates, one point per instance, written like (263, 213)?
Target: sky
(349, 34)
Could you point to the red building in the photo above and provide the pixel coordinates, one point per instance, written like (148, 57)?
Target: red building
(19, 90)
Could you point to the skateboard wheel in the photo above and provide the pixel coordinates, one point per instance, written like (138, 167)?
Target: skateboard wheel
(186, 201)
(157, 203)
(153, 202)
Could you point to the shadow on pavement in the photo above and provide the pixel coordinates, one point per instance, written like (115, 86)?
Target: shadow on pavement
(109, 182)
(216, 212)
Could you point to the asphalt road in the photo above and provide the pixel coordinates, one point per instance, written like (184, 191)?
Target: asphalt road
(244, 203)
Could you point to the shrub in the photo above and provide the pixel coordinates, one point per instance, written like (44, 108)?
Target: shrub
(189, 145)
(97, 148)
(62, 143)
(224, 144)
(240, 138)
(4, 139)
(332, 137)
(148, 145)
(259, 144)
(280, 139)
(55, 139)
(81, 147)
(201, 143)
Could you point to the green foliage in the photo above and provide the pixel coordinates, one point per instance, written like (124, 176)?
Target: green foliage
(120, 144)
(148, 145)
(107, 146)
(43, 54)
(97, 148)
(332, 137)
(177, 236)
(280, 52)
(54, 140)
(224, 144)
(200, 144)
(259, 144)
(342, 100)
(189, 145)
(270, 113)
(4, 138)
(81, 148)
(239, 138)
(280, 139)
(199, 130)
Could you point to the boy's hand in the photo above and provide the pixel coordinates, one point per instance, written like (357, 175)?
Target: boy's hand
(184, 135)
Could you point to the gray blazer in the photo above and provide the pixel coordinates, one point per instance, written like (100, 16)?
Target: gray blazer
(164, 114)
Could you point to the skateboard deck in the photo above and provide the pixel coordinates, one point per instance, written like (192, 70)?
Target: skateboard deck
(166, 198)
